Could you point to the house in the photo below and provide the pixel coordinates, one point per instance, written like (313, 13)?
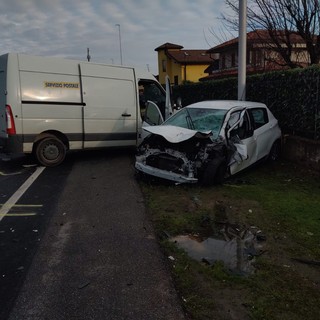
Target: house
(182, 65)
(261, 55)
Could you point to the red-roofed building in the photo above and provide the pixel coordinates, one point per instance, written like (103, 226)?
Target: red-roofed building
(261, 55)
(181, 64)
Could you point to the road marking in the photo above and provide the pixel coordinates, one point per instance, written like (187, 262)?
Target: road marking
(17, 195)
(9, 174)
(21, 205)
(19, 214)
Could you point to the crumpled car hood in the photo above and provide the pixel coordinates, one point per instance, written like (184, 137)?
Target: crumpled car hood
(175, 134)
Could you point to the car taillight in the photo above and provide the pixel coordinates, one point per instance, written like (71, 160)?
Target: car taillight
(11, 128)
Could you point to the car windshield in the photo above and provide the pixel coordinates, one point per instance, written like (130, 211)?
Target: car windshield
(200, 119)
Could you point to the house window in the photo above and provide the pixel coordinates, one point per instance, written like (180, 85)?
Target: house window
(256, 58)
(223, 62)
(233, 60)
(164, 65)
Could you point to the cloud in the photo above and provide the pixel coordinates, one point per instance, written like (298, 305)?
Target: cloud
(68, 27)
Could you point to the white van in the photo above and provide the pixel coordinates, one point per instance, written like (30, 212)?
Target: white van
(51, 105)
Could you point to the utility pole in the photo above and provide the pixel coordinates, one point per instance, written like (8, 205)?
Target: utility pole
(118, 25)
(186, 54)
(242, 50)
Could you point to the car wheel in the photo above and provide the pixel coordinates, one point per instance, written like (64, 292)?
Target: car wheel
(50, 151)
(214, 173)
(275, 151)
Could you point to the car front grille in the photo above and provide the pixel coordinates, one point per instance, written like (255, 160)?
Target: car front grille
(165, 162)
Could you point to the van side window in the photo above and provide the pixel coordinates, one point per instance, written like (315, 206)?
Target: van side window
(152, 114)
(259, 116)
(151, 91)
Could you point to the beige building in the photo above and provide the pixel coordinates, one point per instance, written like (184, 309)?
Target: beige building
(261, 55)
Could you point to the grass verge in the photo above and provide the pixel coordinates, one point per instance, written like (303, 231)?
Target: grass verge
(283, 201)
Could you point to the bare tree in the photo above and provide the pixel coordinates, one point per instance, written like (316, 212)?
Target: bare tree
(286, 21)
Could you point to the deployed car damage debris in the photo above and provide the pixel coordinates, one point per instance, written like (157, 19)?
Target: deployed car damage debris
(208, 140)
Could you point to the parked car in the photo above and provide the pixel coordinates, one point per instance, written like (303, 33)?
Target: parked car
(207, 141)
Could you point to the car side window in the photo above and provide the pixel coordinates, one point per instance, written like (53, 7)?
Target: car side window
(259, 117)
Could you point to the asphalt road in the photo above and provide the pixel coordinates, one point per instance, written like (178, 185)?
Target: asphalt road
(93, 252)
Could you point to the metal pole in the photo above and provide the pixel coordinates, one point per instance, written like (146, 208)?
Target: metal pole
(242, 50)
(118, 25)
(88, 55)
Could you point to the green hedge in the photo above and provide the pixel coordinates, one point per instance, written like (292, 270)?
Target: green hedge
(292, 96)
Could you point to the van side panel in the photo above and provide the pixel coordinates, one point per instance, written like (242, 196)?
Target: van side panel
(49, 87)
(51, 99)
(86, 105)
(110, 111)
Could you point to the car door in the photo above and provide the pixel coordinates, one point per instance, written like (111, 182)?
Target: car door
(263, 131)
(240, 135)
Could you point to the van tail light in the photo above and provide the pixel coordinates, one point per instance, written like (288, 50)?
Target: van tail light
(11, 128)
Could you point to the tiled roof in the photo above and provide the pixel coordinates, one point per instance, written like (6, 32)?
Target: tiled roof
(168, 45)
(195, 56)
(257, 36)
(190, 56)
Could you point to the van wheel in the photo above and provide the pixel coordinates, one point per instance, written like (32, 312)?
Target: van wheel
(50, 151)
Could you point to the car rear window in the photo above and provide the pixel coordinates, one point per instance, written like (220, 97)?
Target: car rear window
(259, 116)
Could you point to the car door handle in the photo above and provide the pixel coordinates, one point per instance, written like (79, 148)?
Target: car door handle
(126, 115)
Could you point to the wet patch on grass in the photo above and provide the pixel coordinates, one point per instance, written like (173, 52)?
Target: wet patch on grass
(283, 201)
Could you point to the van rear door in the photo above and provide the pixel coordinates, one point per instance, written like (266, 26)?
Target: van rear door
(110, 111)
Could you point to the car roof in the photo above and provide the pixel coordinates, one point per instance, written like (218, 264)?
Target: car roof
(225, 104)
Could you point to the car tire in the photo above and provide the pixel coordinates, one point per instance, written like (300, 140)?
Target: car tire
(50, 151)
(214, 173)
(275, 151)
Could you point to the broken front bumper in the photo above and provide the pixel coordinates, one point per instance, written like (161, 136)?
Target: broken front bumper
(164, 174)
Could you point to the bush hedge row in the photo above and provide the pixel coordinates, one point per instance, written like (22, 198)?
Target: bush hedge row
(292, 96)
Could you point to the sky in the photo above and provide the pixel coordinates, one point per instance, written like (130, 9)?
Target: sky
(66, 28)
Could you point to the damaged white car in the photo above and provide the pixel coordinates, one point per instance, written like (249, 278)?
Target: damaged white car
(207, 141)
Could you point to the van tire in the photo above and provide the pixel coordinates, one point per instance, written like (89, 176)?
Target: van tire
(50, 151)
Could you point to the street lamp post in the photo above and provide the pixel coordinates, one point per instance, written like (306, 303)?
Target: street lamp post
(242, 52)
(118, 25)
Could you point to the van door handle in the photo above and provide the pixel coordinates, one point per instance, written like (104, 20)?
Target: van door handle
(126, 115)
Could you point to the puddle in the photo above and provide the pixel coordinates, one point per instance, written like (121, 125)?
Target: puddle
(237, 254)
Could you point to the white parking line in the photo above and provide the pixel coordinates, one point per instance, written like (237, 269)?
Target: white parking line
(17, 195)
(29, 214)
(9, 174)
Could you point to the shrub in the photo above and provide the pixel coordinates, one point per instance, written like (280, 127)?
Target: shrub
(292, 96)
